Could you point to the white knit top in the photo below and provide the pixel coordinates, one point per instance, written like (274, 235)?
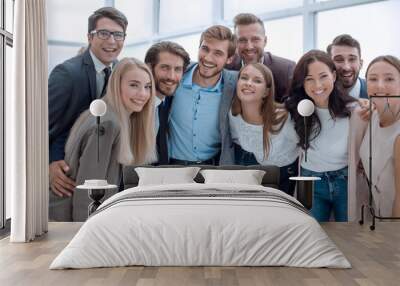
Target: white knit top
(329, 150)
(283, 145)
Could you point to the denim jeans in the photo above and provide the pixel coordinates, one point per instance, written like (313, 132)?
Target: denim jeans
(245, 158)
(330, 194)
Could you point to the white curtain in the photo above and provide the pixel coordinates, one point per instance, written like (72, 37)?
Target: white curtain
(27, 124)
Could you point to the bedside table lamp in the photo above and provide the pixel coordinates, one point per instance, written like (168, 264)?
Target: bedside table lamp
(96, 188)
(98, 108)
(305, 185)
(305, 109)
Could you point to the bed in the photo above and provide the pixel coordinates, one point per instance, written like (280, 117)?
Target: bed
(201, 224)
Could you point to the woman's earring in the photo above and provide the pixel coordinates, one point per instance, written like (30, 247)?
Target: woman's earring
(387, 106)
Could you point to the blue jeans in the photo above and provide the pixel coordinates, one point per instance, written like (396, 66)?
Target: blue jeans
(245, 158)
(330, 194)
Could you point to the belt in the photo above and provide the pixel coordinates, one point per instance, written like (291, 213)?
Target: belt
(174, 161)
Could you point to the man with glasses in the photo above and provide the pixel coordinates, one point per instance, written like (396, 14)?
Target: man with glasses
(72, 87)
(251, 41)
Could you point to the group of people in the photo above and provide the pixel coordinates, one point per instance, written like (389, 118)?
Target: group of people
(236, 105)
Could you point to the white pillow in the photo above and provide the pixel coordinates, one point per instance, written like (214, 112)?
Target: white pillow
(249, 177)
(163, 176)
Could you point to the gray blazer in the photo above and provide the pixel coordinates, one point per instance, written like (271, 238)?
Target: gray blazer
(227, 153)
(81, 156)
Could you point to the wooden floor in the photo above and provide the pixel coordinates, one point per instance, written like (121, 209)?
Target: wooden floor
(374, 255)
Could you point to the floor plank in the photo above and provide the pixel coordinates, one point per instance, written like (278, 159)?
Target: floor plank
(374, 255)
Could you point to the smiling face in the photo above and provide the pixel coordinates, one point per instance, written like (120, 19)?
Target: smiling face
(251, 86)
(213, 55)
(167, 73)
(251, 42)
(384, 79)
(319, 83)
(135, 89)
(348, 64)
(108, 50)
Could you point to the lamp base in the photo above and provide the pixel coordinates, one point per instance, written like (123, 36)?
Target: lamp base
(96, 195)
(305, 190)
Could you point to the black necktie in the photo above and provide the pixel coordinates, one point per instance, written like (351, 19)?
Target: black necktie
(107, 72)
(162, 145)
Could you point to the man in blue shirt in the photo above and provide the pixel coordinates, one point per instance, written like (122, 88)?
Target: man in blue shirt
(345, 52)
(199, 113)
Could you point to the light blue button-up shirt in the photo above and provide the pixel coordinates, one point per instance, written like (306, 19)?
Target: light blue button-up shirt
(194, 120)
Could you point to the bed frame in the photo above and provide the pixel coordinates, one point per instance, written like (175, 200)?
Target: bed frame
(270, 179)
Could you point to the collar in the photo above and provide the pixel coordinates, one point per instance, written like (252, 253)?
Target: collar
(188, 81)
(98, 65)
(355, 90)
(157, 101)
(261, 61)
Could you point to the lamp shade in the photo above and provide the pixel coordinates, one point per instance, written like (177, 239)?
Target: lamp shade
(305, 107)
(98, 107)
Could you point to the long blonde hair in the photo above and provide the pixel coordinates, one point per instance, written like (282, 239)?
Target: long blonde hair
(273, 114)
(137, 129)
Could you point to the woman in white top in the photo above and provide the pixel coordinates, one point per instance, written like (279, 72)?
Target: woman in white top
(383, 79)
(329, 127)
(261, 129)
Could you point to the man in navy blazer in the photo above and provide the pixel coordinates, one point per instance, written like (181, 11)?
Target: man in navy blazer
(168, 61)
(251, 41)
(345, 52)
(76, 82)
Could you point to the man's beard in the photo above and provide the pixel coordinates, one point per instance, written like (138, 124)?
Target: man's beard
(347, 84)
(217, 72)
(167, 92)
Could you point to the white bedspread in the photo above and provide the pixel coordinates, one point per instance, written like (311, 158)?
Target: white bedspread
(200, 231)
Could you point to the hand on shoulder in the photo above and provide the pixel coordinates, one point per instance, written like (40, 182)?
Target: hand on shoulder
(60, 183)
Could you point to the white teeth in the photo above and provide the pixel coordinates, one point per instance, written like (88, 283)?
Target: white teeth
(170, 83)
(140, 102)
(208, 65)
(247, 91)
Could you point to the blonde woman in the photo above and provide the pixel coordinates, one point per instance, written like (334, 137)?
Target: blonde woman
(126, 135)
(261, 129)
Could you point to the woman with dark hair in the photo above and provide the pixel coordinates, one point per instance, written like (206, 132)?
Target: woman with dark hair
(331, 133)
(383, 79)
(261, 129)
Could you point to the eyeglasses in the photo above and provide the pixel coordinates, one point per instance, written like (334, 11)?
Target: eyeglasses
(105, 35)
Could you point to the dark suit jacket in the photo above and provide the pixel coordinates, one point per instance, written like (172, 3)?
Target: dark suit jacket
(363, 89)
(281, 68)
(72, 87)
(162, 134)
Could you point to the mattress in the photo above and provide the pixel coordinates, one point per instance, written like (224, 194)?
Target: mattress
(201, 225)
